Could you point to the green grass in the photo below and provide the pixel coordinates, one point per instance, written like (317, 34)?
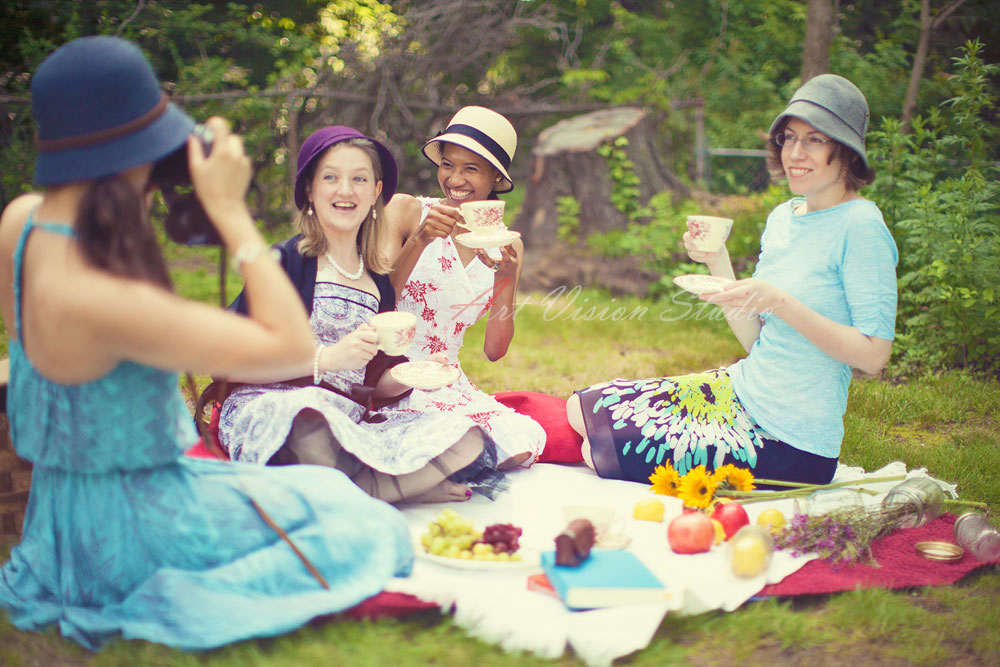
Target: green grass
(948, 424)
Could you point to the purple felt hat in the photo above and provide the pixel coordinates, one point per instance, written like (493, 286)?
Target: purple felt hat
(321, 140)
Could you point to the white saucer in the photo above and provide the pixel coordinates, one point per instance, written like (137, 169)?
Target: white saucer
(424, 375)
(491, 239)
(699, 283)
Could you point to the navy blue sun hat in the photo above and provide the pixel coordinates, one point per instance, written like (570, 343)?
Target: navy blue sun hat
(834, 106)
(100, 110)
(320, 140)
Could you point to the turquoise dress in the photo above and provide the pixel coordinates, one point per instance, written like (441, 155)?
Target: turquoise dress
(124, 536)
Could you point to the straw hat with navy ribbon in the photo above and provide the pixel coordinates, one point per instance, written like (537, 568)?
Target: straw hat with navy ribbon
(100, 110)
(484, 132)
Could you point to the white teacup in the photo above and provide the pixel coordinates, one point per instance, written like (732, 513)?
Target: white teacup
(609, 526)
(395, 331)
(708, 232)
(483, 216)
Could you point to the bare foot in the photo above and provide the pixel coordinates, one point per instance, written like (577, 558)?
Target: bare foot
(587, 457)
(514, 461)
(445, 492)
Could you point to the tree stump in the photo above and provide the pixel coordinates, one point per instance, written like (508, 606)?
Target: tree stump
(566, 164)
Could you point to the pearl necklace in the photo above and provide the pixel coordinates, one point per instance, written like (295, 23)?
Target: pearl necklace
(350, 276)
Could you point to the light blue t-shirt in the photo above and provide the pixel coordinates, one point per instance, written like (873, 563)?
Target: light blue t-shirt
(841, 263)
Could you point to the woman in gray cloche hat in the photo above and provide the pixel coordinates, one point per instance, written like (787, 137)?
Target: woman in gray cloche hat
(124, 535)
(821, 301)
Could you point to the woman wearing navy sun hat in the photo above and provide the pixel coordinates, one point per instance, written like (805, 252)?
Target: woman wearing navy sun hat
(123, 535)
(342, 183)
(822, 300)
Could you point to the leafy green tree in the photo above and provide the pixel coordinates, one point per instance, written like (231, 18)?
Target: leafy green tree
(938, 188)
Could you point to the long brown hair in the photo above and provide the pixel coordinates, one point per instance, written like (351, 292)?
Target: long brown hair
(114, 232)
(313, 243)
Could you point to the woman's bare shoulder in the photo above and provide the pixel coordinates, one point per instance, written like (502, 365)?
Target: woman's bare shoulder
(15, 214)
(403, 211)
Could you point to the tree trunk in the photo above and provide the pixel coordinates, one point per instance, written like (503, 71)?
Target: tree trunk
(567, 165)
(819, 33)
(927, 25)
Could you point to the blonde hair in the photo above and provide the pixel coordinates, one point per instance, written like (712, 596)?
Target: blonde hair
(313, 242)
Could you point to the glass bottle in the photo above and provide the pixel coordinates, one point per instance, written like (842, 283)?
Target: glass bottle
(914, 502)
(975, 534)
(828, 500)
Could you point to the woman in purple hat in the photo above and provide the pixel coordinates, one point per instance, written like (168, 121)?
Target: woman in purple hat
(321, 413)
(123, 535)
(446, 284)
(821, 301)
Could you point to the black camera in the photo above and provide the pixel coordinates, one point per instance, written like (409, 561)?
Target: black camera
(186, 220)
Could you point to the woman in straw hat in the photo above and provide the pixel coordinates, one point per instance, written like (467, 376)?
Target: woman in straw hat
(124, 536)
(446, 285)
(822, 300)
(342, 182)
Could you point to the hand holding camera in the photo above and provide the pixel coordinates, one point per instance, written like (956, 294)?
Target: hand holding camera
(211, 173)
(220, 169)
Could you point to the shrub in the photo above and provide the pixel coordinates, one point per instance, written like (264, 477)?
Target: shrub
(938, 190)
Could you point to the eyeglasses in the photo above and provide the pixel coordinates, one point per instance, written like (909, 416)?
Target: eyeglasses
(810, 143)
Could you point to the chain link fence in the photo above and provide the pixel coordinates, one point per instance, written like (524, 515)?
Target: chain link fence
(731, 171)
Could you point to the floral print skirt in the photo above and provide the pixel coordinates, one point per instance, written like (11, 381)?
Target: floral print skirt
(686, 421)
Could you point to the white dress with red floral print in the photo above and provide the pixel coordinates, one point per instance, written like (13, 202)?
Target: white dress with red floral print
(447, 299)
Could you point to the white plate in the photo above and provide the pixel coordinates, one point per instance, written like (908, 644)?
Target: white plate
(496, 239)
(699, 283)
(529, 559)
(424, 375)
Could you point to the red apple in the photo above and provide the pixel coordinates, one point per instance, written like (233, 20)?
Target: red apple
(732, 516)
(691, 533)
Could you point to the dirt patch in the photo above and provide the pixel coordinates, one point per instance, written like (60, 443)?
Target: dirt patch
(546, 269)
(925, 436)
(936, 435)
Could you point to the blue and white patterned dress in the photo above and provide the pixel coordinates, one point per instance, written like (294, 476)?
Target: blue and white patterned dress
(256, 419)
(124, 536)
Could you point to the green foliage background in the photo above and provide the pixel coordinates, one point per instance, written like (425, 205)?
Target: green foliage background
(282, 68)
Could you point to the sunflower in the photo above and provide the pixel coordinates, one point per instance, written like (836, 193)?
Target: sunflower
(666, 481)
(697, 488)
(731, 478)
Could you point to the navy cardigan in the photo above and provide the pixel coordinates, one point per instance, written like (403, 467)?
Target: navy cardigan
(302, 272)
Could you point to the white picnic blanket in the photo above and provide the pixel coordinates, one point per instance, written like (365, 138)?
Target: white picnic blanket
(497, 606)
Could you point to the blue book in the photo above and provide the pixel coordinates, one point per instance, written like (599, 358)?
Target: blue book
(606, 579)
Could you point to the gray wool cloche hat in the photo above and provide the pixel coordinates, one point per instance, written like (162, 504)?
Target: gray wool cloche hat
(834, 106)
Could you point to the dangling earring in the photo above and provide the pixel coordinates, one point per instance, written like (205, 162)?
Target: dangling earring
(309, 211)
(374, 214)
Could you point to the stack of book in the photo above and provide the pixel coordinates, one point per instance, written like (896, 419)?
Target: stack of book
(607, 578)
